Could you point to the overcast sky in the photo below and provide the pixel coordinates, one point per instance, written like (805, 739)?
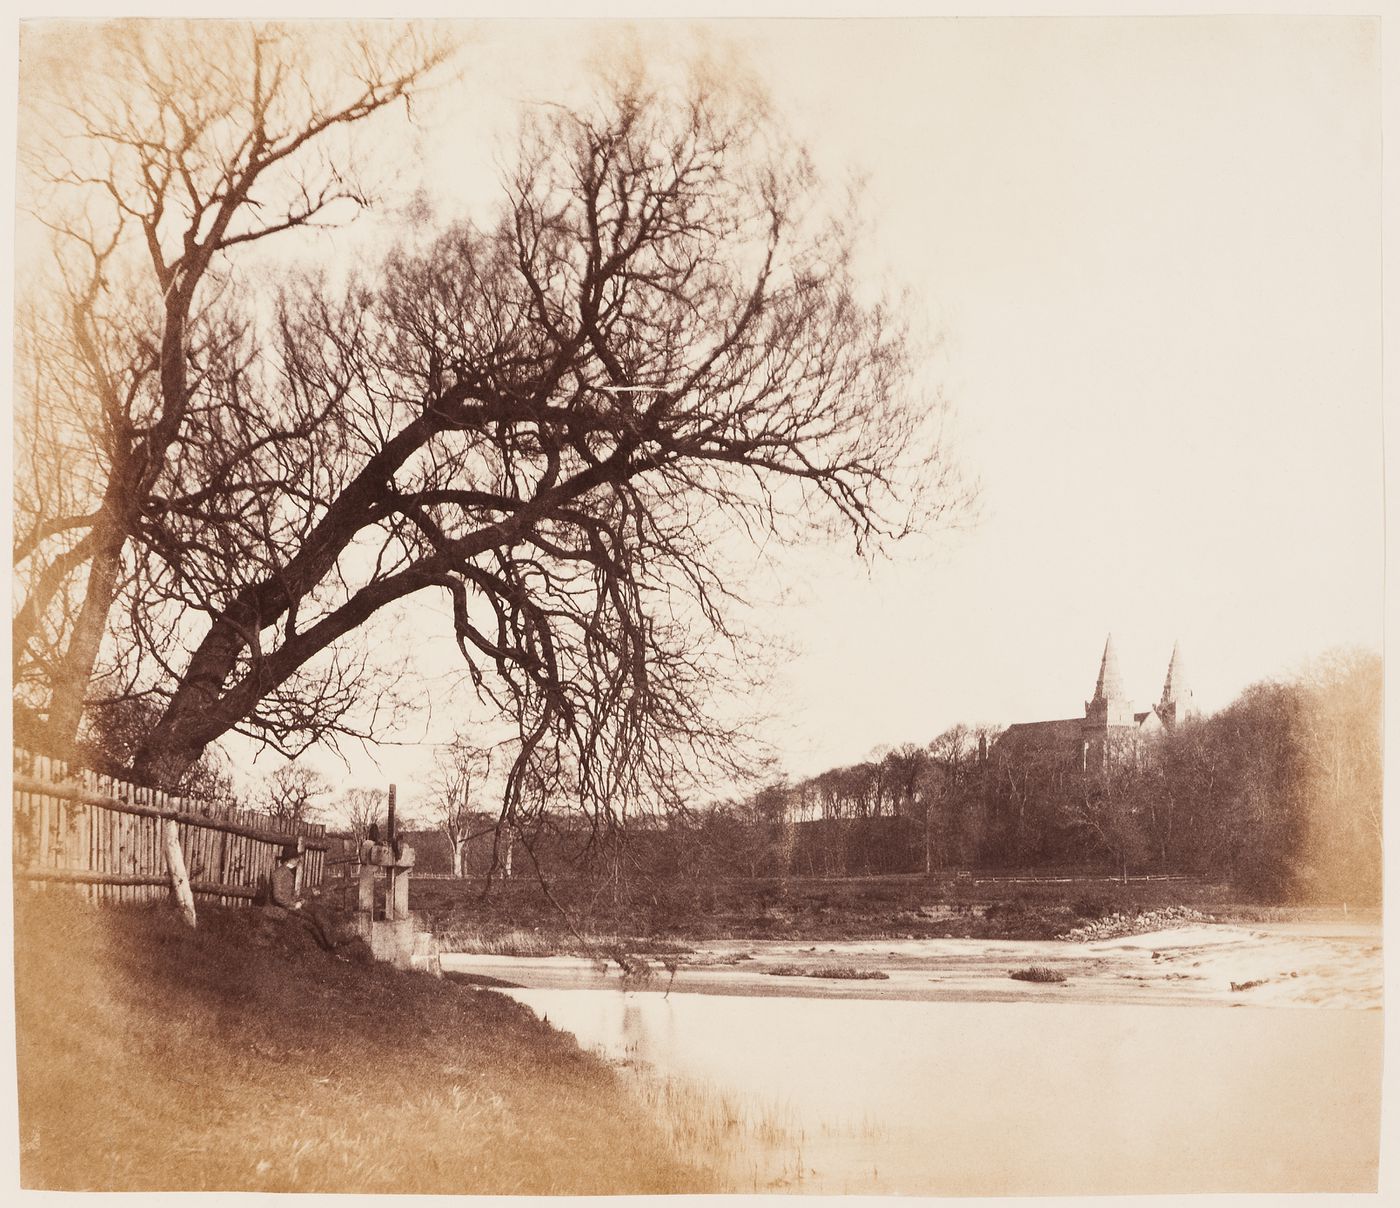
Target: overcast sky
(1154, 248)
(1150, 250)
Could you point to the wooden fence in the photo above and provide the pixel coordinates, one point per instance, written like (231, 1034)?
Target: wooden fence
(106, 837)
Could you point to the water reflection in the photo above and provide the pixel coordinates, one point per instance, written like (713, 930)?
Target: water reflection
(1005, 1098)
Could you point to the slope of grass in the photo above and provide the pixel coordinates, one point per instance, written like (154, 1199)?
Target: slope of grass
(242, 1057)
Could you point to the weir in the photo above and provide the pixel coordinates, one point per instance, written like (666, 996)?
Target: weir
(393, 934)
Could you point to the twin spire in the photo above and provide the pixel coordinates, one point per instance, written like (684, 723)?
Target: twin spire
(1110, 703)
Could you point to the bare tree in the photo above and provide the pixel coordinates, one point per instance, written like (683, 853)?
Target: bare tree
(159, 154)
(363, 808)
(457, 801)
(293, 793)
(554, 423)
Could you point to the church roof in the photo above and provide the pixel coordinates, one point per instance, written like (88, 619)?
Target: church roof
(1041, 737)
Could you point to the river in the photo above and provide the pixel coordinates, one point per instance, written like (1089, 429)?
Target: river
(1113, 1082)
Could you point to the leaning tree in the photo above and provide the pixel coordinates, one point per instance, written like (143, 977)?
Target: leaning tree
(556, 429)
(160, 157)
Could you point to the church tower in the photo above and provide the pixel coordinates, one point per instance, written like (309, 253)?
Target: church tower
(1178, 701)
(1110, 706)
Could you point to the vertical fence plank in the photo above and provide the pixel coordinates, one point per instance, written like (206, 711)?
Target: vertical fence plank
(58, 817)
(41, 817)
(98, 816)
(123, 825)
(24, 764)
(109, 846)
(140, 859)
(133, 795)
(204, 846)
(26, 809)
(108, 837)
(128, 835)
(86, 844)
(223, 865)
(201, 849)
(127, 792)
(155, 848)
(182, 836)
(143, 838)
(154, 842)
(138, 841)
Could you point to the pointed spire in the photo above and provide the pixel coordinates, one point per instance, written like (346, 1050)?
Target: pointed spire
(1178, 701)
(1110, 705)
(1110, 683)
(1176, 676)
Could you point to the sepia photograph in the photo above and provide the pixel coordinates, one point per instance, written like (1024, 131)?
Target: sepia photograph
(754, 606)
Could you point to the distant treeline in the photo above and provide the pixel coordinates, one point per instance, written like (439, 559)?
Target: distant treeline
(1278, 794)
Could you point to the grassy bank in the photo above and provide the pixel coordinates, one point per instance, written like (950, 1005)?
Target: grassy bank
(516, 919)
(242, 1057)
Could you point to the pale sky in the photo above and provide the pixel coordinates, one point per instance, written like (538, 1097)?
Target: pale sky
(1154, 248)
(1150, 250)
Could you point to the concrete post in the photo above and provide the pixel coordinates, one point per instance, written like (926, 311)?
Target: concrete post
(366, 903)
(398, 890)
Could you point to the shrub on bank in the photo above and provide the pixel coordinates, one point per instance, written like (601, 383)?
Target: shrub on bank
(1037, 973)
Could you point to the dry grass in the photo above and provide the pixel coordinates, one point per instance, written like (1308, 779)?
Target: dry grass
(515, 941)
(242, 1058)
(754, 1146)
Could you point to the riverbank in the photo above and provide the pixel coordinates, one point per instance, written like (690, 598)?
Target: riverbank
(669, 919)
(241, 1057)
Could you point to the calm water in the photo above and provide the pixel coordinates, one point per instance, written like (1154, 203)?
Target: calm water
(1013, 1098)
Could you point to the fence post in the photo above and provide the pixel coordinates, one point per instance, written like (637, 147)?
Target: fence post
(179, 879)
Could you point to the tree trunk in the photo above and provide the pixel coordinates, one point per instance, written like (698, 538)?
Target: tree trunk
(71, 683)
(459, 857)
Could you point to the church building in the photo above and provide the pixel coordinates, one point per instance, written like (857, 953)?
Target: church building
(1109, 720)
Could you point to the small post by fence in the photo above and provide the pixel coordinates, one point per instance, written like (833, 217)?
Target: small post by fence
(179, 878)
